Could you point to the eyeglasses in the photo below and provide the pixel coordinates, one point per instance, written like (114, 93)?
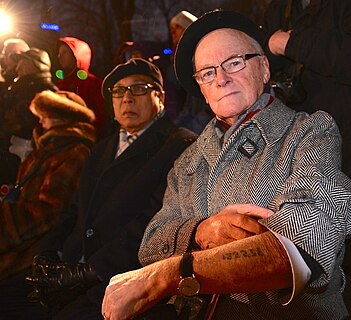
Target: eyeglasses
(135, 90)
(231, 65)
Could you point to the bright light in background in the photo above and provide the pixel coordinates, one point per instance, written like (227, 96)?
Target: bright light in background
(5, 22)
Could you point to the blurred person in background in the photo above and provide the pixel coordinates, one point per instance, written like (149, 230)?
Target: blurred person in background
(46, 182)
(177, 25)
(17, 121)
(8, 65)
(176, 95)
(307, 43)
(186, 110)
(9, 161)
(75, 56)
(61, 144)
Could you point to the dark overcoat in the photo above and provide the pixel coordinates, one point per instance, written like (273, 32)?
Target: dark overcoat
(117, 198)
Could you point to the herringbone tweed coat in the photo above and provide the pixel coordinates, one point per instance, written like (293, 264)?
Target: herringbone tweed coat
(286, 161)
(43, 197)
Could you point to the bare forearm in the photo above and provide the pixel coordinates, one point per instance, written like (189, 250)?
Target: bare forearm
(254, 264)
(257, 263)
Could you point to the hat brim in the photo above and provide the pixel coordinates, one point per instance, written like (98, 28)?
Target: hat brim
(218, 19)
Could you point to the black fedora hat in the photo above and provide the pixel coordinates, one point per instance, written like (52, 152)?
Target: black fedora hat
(213, 20)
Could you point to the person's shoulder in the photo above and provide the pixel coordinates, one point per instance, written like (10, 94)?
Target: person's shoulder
(167, 127)
(317, 123)
(319, 117)
(171, 135)
(186, 134)
(281, 117)
(104, 144)
(325, 120)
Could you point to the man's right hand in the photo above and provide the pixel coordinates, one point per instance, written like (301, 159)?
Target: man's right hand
(131, 293)
(234, 222)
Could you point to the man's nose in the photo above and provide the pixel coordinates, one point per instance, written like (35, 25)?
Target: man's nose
(127, 97)
(222, 77)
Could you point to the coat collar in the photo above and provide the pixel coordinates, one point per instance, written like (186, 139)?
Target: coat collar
(272, 123)
(151, 137)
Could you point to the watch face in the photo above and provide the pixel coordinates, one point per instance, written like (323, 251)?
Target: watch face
(189, 286)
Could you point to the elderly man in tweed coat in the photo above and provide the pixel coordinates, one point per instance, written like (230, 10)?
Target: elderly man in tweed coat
(257, 210)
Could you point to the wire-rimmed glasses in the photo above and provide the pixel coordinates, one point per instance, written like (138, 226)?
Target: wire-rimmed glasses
(233, 64)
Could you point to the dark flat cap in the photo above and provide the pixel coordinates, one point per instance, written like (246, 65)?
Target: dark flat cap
(210, 21)
(131, 67)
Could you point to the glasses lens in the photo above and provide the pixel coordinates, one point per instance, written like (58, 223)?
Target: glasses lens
(205, 75)
(118, 92)
(234, 64)
(138, 89)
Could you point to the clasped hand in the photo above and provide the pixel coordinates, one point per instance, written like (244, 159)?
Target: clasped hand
(234, 222)
(133, 292)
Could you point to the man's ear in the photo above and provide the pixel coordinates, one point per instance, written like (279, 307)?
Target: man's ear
(161, 95)
(266, 70)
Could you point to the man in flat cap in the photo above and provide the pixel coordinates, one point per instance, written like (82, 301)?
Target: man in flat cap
(256, 211)
(121, 188)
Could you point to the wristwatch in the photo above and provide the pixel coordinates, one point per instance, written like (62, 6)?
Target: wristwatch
(188, 285)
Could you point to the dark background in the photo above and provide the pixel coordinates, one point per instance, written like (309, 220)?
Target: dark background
(109, 26)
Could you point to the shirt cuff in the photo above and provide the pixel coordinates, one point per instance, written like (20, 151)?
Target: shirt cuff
(300, 270)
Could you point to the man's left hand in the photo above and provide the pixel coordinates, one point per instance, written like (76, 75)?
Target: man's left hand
(234, 222)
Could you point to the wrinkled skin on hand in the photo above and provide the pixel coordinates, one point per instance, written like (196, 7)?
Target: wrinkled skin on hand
(134, 292)
(234, 222)
(131, 293)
